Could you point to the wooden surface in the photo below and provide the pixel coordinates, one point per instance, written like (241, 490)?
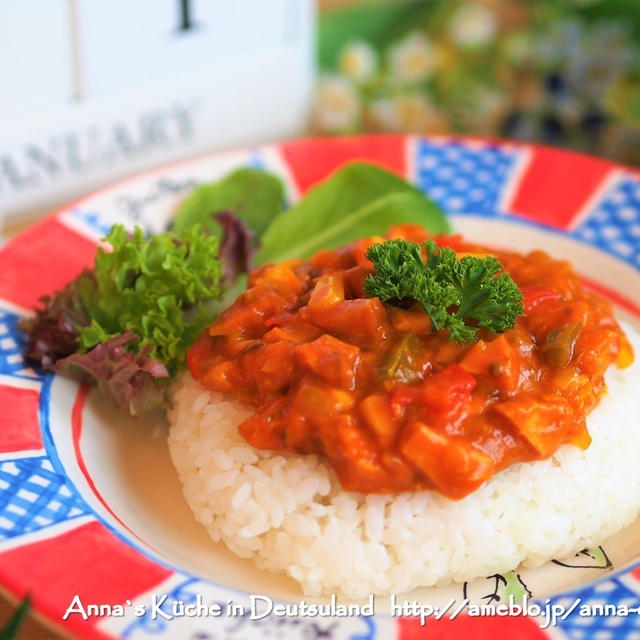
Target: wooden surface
(31, 628)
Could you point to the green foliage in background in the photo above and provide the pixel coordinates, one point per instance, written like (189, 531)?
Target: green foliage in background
(558, 72)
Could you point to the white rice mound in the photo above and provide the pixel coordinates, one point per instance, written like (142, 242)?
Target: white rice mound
(289, 513)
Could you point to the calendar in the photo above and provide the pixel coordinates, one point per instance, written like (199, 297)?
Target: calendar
(92, 91)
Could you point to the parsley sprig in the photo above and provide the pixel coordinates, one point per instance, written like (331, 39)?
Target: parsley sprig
(453, 291)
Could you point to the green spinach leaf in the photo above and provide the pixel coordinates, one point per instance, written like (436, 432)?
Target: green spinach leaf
(253, 196)
(357, 201)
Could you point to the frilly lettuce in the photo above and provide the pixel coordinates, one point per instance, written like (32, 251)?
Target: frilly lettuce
(135, 381)
(127, 324)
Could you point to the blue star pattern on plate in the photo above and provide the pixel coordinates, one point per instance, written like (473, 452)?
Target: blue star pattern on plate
(614, 224)
(92, 220)
(12, 344)
(463, 178)
(601, 627)
(34, 496)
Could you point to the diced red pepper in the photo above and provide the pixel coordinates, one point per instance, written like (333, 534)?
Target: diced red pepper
(625, 352)
(265, 429)
(316, 400)
(577, 388)
(354, 281)
(409, 232)
(401, 398)
(535, 295)
(359, 467)
(271, 366)
(249, 320)
(340, 259)
(497, 360)
(200, 356)
(282, 277)
(447, 389)
(376, 413)
(542, 421)
(219, 376)
(297, 332)
(413, 320)
(328, 292)
(278, 320)
(454, 241)
(333, 360)
(596, 348)
(362, 321)
(454, 466)
(360, 248)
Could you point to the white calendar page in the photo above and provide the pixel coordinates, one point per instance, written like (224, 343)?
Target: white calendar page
(91, 91)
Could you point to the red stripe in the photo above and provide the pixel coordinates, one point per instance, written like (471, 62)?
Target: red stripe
(19, 424)
(76, 434)
(478, 628)
(41, 260)
(556, 185)
(88, 561)
(611, 294)
(312, 160)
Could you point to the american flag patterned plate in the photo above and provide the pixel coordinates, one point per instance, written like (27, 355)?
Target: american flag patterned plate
(90, 508)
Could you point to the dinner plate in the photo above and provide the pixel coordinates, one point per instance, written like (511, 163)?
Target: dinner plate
(91, 510)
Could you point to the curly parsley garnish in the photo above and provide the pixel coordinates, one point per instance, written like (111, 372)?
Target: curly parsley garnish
(453, 291)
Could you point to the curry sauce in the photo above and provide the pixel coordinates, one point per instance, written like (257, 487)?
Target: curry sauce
(392, 404)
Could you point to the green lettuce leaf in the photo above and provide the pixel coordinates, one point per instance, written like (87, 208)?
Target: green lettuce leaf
(157, 287)
(254, 197)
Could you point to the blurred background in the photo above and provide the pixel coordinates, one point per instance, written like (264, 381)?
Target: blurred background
(95, 91)
(560, 72)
